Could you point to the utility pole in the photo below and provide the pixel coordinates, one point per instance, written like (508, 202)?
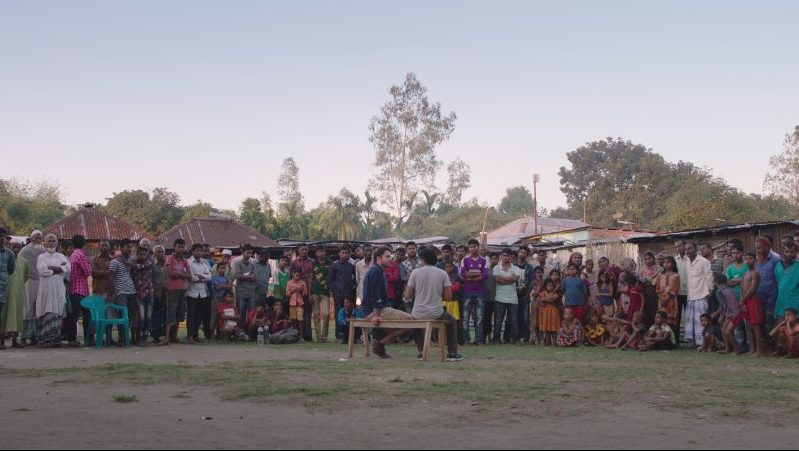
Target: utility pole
(536, 179)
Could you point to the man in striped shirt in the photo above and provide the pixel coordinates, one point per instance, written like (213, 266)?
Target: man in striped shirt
(124, 287)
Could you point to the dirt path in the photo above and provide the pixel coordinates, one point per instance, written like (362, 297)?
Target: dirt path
(51, 412)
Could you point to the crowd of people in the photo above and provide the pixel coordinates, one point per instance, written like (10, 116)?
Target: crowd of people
(723, 300)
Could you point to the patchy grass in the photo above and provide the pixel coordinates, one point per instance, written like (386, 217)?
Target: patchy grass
(125, 399)
(497, 378)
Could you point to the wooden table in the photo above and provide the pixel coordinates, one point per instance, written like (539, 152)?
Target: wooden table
(427, 325)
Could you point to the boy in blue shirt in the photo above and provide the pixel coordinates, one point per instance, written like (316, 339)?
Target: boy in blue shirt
(220, 284)
(342, 322)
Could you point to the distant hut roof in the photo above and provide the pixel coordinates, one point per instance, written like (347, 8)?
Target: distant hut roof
(219, 233)
(95, 225)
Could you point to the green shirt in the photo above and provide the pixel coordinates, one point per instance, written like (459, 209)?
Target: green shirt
(787, 287)
(319, 280)
(282, 279)
(737, 273)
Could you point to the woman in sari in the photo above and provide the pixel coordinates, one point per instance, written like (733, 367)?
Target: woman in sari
(668, 287)
(51, 298)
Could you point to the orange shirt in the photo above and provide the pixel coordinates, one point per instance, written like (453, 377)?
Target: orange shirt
(297, 290)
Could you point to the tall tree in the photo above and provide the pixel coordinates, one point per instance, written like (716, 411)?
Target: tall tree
(460, 179)
(291, 222)
(292, 202)
(405, 135)
(783, 179)
(251, 215)
(369, 214)
(518, 201)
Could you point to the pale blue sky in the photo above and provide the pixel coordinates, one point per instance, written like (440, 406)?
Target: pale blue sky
(107, 95)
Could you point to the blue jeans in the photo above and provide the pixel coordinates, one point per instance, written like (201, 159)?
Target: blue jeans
(144, 323)
(473, 308)
(244, 304)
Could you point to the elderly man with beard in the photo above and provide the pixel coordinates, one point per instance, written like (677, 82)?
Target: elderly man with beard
(30, 255)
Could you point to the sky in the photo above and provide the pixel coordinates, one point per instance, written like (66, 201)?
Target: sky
(207, 98)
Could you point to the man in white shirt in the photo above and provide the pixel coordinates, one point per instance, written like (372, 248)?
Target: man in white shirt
(507, 276)
(198, 301)
(682, 270)
(700, 284)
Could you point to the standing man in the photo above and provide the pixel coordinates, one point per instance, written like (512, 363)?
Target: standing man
(178, 275)
(263, 272)
(376, 305)
(362, 267)
(490, 299)
(507, 276)
(198, 301)
(523, 292)
(407, 267)
(30, 256)
(320, 296)
(7, 265)
(765, 263)
(700, 286)
(474, 272)
(304, 266)
(683, 264)
(244, 274)
(716, 264)
(80, 270)
(787, 274)
(447, 256)
(429, 286)
(158, 273)
(124, 291)
(341, 280)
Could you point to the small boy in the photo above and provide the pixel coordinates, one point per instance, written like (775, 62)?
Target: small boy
(281, 278)
(787, 335)
(278, 319)
(221, 285)
(660, 335)
(710, 332)
(752, 307)
(733, 316)
(342, 322)
(227, 315)
(297, 291)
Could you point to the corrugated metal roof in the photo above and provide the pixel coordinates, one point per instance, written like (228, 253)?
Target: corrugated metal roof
(95, 225)
(524, 227)
(219, 233)
(713, 230)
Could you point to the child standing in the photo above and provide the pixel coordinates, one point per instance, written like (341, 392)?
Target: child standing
(535, 305)
(281, 279)
(732, 316)
(667, 285)
(455, 305)
(606, 295)
(297, 291)
(635, 292)
(571, 330)
(221, 286)
(575, 291)
(549, 319)
(752, 307)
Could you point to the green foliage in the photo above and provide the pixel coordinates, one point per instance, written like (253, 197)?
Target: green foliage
(518, 201)
(620, 180)
(25, 207)
(783, 179)
(155, 213)
(198, 210)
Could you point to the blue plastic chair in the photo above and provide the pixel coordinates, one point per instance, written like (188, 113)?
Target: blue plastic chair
(97, 306)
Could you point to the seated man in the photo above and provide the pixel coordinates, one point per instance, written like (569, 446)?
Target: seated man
(256, 318)
(376, 304)
(428, 286)
(342, 322)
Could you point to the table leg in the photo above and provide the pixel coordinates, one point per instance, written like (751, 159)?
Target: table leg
(351, 339)
(428, 335)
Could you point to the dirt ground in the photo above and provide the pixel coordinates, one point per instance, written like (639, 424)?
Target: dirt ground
(310, 396)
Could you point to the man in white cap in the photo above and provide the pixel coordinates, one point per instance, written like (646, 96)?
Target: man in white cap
(30, 256)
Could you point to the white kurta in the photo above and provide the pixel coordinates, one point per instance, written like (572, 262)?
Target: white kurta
(52, 292)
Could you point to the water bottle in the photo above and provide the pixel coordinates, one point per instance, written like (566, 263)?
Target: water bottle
(260, 335)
